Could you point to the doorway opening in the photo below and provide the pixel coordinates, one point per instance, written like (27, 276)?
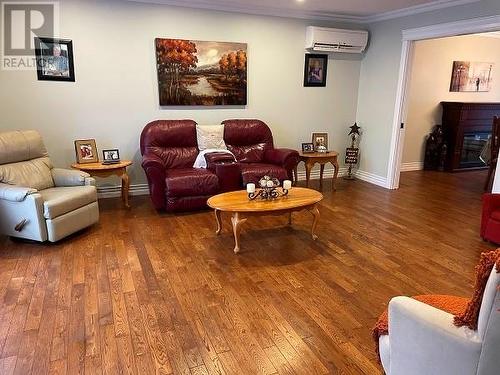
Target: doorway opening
(427, 74)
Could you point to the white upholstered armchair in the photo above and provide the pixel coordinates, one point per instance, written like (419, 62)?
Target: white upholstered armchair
(37, 201)
(424, 340)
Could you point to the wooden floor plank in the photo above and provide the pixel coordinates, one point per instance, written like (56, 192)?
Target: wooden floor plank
(76, 342)
(8, 365)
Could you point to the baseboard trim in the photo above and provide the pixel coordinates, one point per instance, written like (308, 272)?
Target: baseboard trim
(116, 191)
(143, 189)
(372, 178)
(362, 175)
(412, 166)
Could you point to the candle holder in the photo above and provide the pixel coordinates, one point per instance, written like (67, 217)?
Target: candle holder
(267, 189)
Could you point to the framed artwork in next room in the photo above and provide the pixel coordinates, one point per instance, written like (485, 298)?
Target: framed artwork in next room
(468, 76)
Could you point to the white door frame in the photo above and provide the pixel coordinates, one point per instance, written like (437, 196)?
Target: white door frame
(470, 26)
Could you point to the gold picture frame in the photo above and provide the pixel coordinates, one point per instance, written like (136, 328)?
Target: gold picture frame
(86, 151)
(320, 139)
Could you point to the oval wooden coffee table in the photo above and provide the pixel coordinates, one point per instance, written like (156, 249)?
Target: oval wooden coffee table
(241, 207)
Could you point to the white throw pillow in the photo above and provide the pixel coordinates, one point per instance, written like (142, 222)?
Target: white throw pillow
(210, 136)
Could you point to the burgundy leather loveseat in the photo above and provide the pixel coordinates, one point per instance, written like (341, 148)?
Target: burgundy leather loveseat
(169, 149)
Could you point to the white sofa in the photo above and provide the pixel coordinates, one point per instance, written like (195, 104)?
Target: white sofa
(424, 340)
(39, 202)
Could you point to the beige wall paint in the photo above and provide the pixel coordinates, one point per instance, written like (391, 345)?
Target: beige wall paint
(430, 83)
(116, 93)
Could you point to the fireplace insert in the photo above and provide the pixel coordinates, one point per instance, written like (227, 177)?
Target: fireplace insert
(472, 146)
(466, 128)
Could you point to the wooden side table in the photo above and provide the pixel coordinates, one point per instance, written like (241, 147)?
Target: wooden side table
(106, 170)
(322, 158)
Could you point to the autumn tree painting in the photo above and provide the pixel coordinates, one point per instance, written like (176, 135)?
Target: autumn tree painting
(234, 64)
(201, 73)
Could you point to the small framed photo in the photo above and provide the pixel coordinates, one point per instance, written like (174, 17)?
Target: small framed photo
(307, 147)
(111, 156)
(86, 151)
(54, 59)
(315, 70)
(320, 140)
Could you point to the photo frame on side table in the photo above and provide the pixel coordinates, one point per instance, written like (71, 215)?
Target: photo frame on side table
(54, 59)
(307, 147)
(320, 140)
(111, 156)
(86, 151)
(315, 68)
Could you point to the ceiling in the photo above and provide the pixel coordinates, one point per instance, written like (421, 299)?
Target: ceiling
(348, 10)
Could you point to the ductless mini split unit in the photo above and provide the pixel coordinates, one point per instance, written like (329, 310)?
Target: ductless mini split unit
(324, 39)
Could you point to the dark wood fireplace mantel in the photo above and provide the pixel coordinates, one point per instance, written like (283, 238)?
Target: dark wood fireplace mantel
(465, 128)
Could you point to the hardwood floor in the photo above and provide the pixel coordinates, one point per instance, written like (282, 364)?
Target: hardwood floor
(153, 293)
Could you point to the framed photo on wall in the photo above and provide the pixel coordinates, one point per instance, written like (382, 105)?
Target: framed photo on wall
(86, 151)
(54, 59)
(315, 68)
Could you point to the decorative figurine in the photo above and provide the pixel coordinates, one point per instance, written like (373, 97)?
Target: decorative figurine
(435, 150)
(322, 149)
(352, 153)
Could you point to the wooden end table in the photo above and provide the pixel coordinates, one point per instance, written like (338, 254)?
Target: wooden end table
(106, 170)
(322, 158)
(238, 204)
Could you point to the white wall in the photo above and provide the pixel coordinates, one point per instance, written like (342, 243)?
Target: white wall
(496, 182)
(116, 93)
(379, 77)
(430, 84)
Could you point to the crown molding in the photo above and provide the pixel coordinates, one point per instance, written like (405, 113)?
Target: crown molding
(464, 27)
(416, 9)
(220, 5)
(494, 34)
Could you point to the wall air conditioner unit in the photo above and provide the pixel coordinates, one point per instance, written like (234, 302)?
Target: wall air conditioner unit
(323, 39)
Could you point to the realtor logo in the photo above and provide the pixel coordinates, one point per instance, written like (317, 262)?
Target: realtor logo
(22, 21)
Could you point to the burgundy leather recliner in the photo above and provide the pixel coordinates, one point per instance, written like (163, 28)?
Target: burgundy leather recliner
(169, 149)
(490, 221)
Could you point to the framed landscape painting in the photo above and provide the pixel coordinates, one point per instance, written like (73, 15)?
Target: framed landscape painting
(194, 73)
(470, 76)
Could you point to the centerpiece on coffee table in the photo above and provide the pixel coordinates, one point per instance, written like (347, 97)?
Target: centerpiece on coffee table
(268, 188)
